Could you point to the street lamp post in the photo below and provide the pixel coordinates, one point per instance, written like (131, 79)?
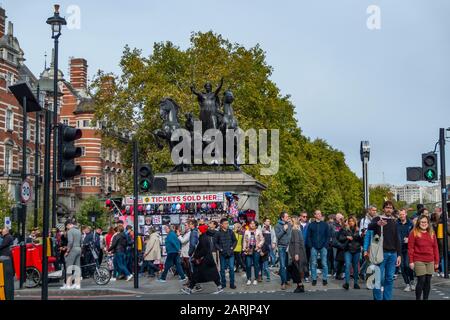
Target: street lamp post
(56, 22)
(365, 154)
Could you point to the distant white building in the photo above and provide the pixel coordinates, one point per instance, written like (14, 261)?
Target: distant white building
(413, 192)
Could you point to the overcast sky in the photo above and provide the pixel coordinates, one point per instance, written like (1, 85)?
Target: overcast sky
(349, 83)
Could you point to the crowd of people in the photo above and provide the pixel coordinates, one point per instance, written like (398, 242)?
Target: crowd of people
(298, 248)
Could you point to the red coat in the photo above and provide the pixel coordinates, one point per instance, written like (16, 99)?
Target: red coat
(423, 248)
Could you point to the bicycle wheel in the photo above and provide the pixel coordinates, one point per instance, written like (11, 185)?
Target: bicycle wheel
(101, 276)
(33, 277)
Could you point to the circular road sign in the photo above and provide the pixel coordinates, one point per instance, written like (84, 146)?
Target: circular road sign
(25, 191)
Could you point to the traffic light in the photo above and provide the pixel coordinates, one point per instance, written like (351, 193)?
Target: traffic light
(414, 174)
(67, 152)
(145, 177)
(429, 166)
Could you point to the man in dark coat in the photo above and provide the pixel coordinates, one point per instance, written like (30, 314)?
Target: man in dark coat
(205, 269)
(225, 242)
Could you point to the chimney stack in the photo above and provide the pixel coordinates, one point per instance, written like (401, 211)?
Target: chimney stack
(2, 22)
(78, 73)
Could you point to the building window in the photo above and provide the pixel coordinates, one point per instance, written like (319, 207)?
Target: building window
(83, 151)
(93, 181)
(9, 79)
(72, 202)
(9, 120)
(86, 123)
(28, 168)
(65, 121)
(28, 130)
(8, 159)
(82, 181)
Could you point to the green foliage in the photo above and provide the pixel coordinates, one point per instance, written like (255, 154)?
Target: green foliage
(379, 194)
(90, 205)
(6, 203)
(311, 174)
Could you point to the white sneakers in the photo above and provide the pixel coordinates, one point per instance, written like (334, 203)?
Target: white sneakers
(255, 282)
(129, 277)
(413, 286)
(408, 288)
(219, 290)
(249, 282)
(66, 287)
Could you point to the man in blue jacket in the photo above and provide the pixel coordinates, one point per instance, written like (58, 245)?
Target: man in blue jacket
(318, 237)
(173, 248)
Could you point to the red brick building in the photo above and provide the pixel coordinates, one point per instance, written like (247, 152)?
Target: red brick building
(100, 166)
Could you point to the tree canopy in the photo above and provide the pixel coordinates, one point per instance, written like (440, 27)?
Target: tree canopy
(311, 174)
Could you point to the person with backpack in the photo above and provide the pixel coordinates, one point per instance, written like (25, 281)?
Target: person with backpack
(118, 248)
(423, 255)
(386, 234)
(173, 248)
(351, 242)
(404, 226)
(318, 239)
(225, 242)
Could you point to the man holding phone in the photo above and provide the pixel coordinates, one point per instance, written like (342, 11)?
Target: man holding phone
(391, 249)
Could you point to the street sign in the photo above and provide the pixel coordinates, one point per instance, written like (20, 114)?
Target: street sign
(8, 222)
(25, 191)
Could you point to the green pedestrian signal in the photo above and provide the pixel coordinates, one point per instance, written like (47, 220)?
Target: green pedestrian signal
(430, 174)
(429, 166)
(145, 185)
(145, 177)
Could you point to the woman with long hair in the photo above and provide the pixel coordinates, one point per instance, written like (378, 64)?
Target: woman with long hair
(253, 242)
(351, 242)
(297, 254)
(423, 255)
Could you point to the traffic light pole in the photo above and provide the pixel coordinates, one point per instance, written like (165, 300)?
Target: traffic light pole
(23, 217)
(135, 209)
(44, 288)
(55, 130)
(444, 198)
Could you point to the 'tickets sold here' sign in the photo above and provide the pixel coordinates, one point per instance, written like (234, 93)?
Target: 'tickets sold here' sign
(178, 198)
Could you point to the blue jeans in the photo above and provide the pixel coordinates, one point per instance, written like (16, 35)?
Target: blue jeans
(272, 256)
(265, 269)
(351, 259)
(224, 264)
(283, 264)
(248, 265)
(121, 264)
(323, 258)
(173, 259)
(387, 268)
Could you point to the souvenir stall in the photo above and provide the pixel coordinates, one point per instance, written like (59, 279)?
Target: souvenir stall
(176, 209)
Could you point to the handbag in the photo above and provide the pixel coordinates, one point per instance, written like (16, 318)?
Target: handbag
(376, 254)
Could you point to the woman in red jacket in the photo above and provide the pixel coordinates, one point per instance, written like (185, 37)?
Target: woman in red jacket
(423, 255)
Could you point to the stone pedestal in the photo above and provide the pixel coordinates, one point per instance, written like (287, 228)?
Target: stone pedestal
(247, 187)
